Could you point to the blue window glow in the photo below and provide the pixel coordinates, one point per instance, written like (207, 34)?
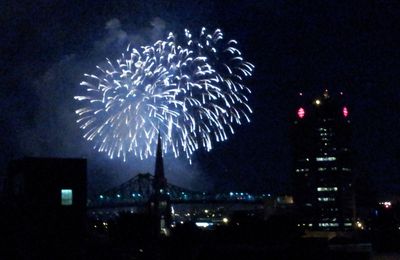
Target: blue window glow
(66, 197)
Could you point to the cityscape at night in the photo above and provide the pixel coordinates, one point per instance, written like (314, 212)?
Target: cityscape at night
(200, 130)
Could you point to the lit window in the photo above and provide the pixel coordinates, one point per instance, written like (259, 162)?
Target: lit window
(328, 224)
(324, 199)
(325, 159)
(66, 197)
(302, 170)
(321, 169)
(327, 188)
(346, 169)
(329, 219)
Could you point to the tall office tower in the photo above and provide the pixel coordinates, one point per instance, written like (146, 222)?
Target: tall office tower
(322, 164)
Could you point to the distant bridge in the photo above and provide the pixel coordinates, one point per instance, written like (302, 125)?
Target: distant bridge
(137, 191)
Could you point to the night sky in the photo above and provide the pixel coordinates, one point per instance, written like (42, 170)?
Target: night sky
(46, 46)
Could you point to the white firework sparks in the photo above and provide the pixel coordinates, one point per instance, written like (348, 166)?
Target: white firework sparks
(191, 95)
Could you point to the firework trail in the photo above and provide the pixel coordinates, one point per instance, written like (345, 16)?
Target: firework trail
(192, 94)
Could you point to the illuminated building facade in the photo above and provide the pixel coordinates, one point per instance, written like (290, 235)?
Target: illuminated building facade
(322, 164)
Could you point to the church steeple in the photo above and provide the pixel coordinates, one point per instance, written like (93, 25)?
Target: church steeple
(160, 204)
(160, 182)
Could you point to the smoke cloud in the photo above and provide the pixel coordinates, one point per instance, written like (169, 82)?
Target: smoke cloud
(54, 132)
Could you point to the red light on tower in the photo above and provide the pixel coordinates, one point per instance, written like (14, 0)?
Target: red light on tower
(345, 111)
(301, 112)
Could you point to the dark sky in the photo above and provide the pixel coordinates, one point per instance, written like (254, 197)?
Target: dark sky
(46, 46)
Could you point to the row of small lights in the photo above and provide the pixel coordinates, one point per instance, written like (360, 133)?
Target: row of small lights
(358, 225)
(185, 195)
(247, 194)
(119, 196)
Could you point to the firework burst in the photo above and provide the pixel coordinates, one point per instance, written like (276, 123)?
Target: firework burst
(191, 94)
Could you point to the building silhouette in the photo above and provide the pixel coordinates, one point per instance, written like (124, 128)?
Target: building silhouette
(46, 198)
(323, 191)
(160, 203)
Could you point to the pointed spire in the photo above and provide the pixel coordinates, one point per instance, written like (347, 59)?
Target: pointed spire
(160, 203)
(159, 178)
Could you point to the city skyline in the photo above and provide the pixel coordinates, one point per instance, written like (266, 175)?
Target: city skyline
(296, 48)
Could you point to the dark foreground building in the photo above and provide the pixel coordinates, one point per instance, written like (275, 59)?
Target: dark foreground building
(322, 164)
(46, 202)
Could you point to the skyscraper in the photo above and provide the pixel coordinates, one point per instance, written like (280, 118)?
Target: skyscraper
(322, 164)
